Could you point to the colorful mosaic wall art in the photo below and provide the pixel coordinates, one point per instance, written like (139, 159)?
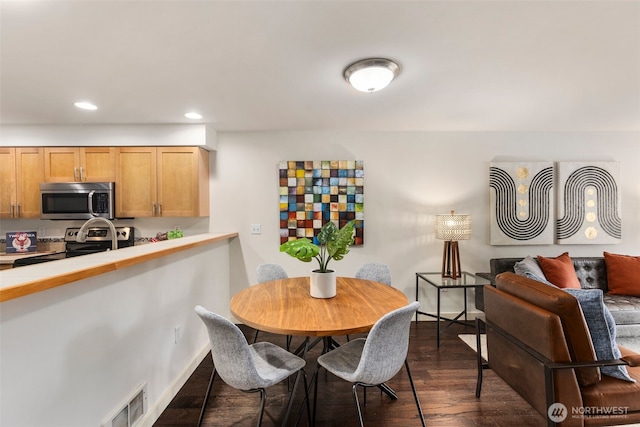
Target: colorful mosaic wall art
(314, 192)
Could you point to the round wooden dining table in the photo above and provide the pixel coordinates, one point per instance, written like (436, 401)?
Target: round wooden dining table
(286, 307)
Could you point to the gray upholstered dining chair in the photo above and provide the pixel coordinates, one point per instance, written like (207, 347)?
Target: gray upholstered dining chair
(266, 273)
(247, 367)
(375, 360)
(375, 271)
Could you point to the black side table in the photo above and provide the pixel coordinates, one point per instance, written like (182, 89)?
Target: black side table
(468, 280)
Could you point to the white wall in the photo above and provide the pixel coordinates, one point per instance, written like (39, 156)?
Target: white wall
(72, 354)
(409, 177)
(109, 135)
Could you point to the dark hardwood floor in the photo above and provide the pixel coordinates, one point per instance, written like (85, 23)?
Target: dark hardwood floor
(445, 379)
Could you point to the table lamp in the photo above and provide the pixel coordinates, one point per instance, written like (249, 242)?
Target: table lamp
(451, 228)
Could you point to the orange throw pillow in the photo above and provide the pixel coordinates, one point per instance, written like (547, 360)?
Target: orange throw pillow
(623, 274)
(560, 271)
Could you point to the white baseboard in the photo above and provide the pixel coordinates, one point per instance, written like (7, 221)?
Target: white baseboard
(158, 407)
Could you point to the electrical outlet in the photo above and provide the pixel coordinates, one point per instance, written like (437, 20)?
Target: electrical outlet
(42, 232)
(178, 334)
(256, 229)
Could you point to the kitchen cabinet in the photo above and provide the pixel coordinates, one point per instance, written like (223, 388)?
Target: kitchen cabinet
(21, 172)
(84, 164)
(162, 181)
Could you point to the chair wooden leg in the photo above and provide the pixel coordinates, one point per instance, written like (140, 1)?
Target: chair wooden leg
(415, 394)
(206, 396)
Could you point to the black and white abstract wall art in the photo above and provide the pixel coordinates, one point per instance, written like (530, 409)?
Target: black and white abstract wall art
(522, 203)
(589, 206)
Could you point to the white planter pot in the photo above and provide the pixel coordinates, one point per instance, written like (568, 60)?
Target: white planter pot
(323, 285)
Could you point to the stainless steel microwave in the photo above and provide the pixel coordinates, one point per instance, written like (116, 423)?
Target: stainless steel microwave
(77, 200)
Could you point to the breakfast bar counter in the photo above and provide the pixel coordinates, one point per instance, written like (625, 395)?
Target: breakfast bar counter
(19, 282)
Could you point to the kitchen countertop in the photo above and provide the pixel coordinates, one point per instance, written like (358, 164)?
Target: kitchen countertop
(19, 282)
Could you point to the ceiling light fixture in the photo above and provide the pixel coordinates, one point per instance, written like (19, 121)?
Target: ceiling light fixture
(371, 75)
(193, 116)
(85, 105)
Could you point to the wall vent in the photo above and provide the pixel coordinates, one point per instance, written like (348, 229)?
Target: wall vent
(129, 413)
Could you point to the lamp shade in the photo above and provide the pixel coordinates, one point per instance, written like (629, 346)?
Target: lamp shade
(453, 227)
(371, 75)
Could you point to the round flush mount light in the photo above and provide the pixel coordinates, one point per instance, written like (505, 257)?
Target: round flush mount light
(371, 75)
(193, 115)
(84, 105)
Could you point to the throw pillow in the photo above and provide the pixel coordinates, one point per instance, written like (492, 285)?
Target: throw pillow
(623, 274)
(602, 329)
(560, 271)
(538, 279)
(529, 265)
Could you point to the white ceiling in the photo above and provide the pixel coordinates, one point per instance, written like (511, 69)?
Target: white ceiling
(478, 65)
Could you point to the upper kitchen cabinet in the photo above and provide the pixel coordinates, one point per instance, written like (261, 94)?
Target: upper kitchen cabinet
(162, 181)
(86, 164)
(21, 172)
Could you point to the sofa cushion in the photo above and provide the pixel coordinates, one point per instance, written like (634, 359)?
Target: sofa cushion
(612, 393)
(623, 274)
(567, 308)
(624, 309)
(529, 265)
(591, 272)
(560, 271)
(602, 329)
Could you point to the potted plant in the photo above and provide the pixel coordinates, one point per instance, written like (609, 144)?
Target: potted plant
(332, 243)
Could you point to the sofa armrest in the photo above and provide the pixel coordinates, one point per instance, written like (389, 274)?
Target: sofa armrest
(479, 298)
(632, 360)
(489, 276)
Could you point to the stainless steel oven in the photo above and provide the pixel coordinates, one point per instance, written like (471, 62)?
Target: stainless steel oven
(98, 240)
(77, 200)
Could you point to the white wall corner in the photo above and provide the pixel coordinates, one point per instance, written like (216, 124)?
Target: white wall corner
(211, 138)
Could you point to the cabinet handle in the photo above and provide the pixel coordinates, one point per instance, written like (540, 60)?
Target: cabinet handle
(18, 210)
(153, 209)
(12, 210)
(81, 174)
(75, 173)
(159, 209)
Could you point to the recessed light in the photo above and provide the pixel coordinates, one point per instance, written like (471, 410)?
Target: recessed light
(193, 115)
(85, 105)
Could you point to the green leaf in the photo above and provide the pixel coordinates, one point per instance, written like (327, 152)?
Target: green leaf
(302, 249)
(327, 233)
(339, 247)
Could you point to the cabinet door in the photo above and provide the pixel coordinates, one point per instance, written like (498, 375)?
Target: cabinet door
(7, 181)
(61, 164)
(29, 175)
(136, 182)
(97, 164)
(181, 187)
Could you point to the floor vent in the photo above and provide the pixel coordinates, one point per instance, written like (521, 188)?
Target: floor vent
(131, 411)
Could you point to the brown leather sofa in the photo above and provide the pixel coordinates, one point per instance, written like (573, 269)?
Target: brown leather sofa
(538, 342)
